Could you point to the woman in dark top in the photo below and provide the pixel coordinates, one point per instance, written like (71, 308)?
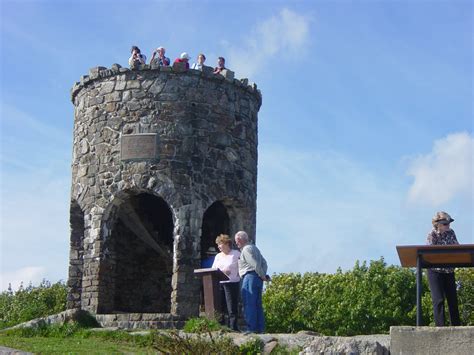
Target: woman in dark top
(441, 280)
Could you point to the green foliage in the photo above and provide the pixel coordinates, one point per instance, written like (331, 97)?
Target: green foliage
(364, 300)
(173, 342)
(74, 338)
(465, 281)
(202, 325)
(254, 346)
(31, 302)
(43, 330)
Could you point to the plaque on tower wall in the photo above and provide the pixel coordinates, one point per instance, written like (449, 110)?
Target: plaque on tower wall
(141, 146)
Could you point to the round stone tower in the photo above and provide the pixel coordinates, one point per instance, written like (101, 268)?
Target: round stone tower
(164, 160)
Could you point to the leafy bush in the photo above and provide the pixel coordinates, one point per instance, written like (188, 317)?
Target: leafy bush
(172, 342)
(364, 300)
(202, 325)
(465, 280)
(31, 302)
(253, 346)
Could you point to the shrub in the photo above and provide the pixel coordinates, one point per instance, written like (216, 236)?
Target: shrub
(465, 281)
(364, 300)
(172, 342)
(253, 346)
(31, 302)
(202, 325)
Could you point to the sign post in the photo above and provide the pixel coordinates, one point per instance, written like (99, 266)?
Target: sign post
(210, 281)
(432, 256)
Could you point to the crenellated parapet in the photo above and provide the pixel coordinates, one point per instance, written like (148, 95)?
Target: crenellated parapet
(98, 73)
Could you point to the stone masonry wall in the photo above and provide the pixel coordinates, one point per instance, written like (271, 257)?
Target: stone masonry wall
(207, 152)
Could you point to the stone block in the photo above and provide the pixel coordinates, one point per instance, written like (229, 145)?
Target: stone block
(432, 340)
(228, 74)
(207, 70)
(94, 72)
(179, 67)
(115, 67)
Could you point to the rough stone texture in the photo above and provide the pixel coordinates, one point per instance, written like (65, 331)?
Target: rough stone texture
(432, 340)
(362, 344)
(139, 228)
(60, 318)
(140, 321)
(4, 351)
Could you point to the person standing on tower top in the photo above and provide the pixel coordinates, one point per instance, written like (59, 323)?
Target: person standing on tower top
(183, 58)
(160, 60)
(200, 62)
(137, 57)
(220, 65)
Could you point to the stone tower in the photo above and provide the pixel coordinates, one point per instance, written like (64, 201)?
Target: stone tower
(164, 160)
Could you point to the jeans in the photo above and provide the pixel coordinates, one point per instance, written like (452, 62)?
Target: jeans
(252, 286)
(230, 303)
(442, 285)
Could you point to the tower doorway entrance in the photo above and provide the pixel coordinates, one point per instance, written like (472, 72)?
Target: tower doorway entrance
(141, 243)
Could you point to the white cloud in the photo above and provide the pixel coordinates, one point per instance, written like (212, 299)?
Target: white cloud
(25, 275)
(444, 173)
(284, 35)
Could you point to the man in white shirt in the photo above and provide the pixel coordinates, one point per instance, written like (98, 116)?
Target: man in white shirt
(252, 270)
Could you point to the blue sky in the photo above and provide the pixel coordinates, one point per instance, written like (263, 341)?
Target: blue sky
(366, 127)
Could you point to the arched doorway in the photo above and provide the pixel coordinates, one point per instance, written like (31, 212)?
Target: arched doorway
(142, 246)
(214, 222)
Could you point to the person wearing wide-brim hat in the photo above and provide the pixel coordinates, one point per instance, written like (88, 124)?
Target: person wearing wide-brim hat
(441, 280)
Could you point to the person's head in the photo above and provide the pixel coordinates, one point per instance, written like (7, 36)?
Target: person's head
(241, 239)
(221, 62)
(224, 243)
(184, 56)
(441, 221)
(161, 51)
(201, 58)
(135, 50)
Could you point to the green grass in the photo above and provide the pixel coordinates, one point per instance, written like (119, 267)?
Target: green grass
(72, 338)
(72, 345)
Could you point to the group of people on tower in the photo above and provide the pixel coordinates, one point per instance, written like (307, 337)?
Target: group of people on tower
(159, 58)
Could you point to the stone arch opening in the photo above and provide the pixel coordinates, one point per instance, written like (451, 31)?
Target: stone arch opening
(141, 246)
(76, 256)
(215, 221)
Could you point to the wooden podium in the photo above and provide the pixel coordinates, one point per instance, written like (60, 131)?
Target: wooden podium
(431, 256)
(210, 281)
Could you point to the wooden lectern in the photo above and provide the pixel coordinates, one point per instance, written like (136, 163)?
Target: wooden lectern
(431, 256)
(210, 281)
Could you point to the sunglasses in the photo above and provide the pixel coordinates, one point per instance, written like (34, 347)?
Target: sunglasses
(445, 223)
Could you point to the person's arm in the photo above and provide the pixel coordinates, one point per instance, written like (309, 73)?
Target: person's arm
(130, 60)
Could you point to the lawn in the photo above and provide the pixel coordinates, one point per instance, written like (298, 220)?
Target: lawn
(72, 345)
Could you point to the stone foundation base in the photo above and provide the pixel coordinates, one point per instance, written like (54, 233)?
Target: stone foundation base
(140, 321)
